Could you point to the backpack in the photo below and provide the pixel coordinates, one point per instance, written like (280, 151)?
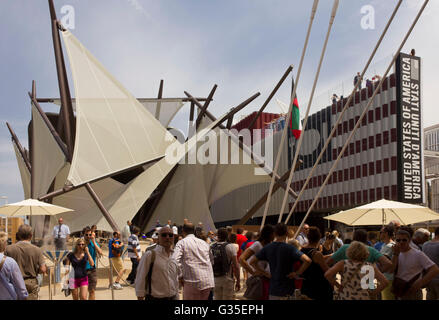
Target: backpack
(116, 252)
(221, 264)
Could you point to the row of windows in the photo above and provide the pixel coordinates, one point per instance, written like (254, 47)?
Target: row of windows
(380, 139)
(357, 172)
(351, 199)
(372, 116)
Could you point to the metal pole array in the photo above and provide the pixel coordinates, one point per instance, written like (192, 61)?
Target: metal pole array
(378, 88)
(299, 143)
(340, 118)
(284, 132)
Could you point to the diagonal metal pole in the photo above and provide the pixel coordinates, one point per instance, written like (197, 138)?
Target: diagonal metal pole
(299, 143)
(19, 147)
(284, 132)
(340, 118)
(378, 88)
(245, 148)
(287, 72)
(262, 200)
(205, 106)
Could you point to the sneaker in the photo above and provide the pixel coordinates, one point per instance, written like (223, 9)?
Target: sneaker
(117, 286)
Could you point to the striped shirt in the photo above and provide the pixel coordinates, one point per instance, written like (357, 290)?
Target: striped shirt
(133, 246)
(195, 260)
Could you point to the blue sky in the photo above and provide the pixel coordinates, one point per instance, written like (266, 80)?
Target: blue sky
(243, 46)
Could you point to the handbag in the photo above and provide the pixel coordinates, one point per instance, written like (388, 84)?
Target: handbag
(255, 288)
(400, 287)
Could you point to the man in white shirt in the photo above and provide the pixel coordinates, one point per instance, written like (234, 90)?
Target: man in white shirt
(302, 237)
(126, 232)
(159, 281)
(61, 234)
(410, 264)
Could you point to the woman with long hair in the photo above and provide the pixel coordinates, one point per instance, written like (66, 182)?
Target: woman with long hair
(328, 244)
(78, 259)
(266, 237)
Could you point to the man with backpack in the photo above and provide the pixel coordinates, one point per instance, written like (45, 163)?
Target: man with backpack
(115, 246)
(225, 265)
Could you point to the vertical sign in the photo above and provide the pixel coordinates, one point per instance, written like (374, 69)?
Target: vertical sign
(409, 126)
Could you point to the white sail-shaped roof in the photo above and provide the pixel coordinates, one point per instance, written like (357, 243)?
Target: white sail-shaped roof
(163, 110)
(113, 130)
(185, 197)
(86, 211)
(125, 202)
(24, 172)
(48, 158)
(239, 171)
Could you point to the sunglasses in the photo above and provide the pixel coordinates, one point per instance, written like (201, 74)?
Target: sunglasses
(81, 244)
(88, 235)
(170, 235)
(399, 240)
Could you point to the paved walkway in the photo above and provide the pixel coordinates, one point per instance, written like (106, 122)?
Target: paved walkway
(102, 290)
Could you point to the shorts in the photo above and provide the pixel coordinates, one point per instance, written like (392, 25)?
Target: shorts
(117, 264)
(79, 282)
(92, 279)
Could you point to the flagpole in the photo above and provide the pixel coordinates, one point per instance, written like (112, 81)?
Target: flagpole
(299, 143)
(279, 153)
(378, 88)
(339, 119)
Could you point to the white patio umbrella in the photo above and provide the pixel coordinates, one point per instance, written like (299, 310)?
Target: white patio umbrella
(383, 211)
(31, 207)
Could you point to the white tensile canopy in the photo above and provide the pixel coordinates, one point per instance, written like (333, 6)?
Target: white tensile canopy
(24, 172)
(48, 157)
(125, 201)
(113, 130)
(163, 110)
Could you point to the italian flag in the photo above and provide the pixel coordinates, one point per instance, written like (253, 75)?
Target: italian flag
(295, 123)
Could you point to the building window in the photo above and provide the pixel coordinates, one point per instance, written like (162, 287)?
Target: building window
(370, 117)
(364, 170)
(378, 140)
(371, 168)
(364, 144)
(378, 167)
(371, 142)
(379, 193)
(385, 137)
(386, 165)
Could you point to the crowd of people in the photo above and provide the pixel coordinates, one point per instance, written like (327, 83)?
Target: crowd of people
(186, 260)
